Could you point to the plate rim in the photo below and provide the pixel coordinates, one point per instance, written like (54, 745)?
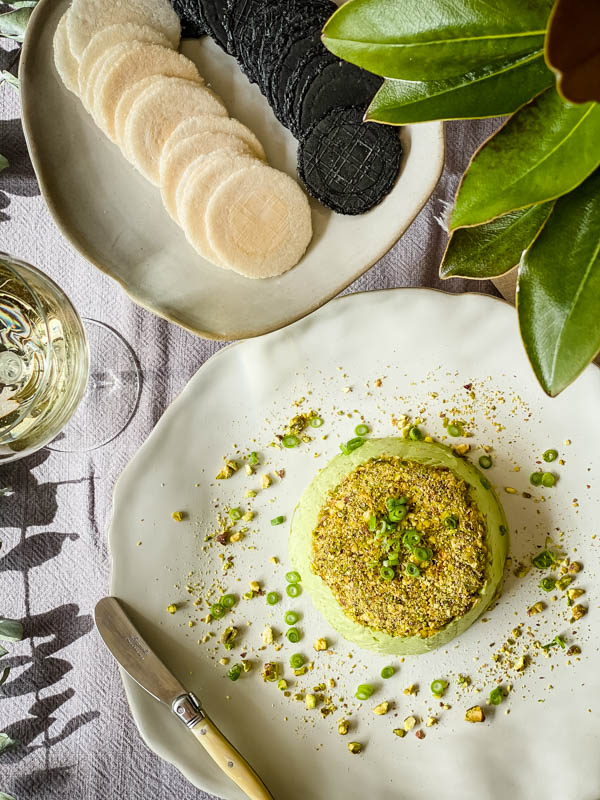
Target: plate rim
(37, 25)
(159, 747)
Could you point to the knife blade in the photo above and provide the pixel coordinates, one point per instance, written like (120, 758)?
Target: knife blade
(142, 664)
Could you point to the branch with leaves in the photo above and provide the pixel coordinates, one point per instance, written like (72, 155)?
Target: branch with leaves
(531, 194)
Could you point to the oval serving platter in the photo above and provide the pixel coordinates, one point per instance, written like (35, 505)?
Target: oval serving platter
(116, 220)
(383, 354)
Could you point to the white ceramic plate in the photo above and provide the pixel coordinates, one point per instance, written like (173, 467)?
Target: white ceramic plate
(420, 343)
(116, 220)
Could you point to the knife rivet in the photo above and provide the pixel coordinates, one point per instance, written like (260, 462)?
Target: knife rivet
(203, 732)
(230, 763)
(180, 710)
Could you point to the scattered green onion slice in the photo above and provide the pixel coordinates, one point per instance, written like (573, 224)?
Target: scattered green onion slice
(485, 462)
(235, 513)
(387, 573)
(290, 441)
(550, 455)
(411, 538)
(291, 617)
(454, 430)
(361, 430)
(217, 611)
(352, 444)
(439, 686)
(559, 641)
(412, 570)
(254, 458)
(547, 584)
(272, 598)
(548, 479)
(544, 559)
(485, 483)
(535, 478)
(422, 553)
(316, 422)
(293, 634)
(228, 601)
(293, 577)
(364, 691)
(387, 672)
(277, 520)
(293, 589)
(451, 521)
(297, 661)
(496, 696)
(372, 522)
(415, 433)
(398, 513)
(235, 672)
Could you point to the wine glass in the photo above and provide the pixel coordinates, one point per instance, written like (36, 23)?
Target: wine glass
(65, 383)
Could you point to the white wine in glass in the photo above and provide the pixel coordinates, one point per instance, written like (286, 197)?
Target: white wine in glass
(44, 359)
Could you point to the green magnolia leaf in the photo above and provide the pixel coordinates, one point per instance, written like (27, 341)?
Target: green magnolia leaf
(573, 49)
(3, 163)
(423, 40)
(11, 630)
(4, 796)
(13, 24)
(493, 91)
(6, 742)
(544, 150)
(487, 251)
(9, 78)
(558, 291)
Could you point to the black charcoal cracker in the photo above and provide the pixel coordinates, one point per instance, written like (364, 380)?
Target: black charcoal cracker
(337, 84)
(349, 165)
(292, 54)
(193, 26)
(213, 13)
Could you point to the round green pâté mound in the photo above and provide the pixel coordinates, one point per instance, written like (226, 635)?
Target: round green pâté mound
(401, 545)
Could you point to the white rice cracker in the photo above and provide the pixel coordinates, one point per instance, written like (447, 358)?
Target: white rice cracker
(124, 105)
(156, 112)
(258, 222)
(206, 175)
(174, 163)
(209, 123)
(87, 17)
(107, 38)
(139, 61)
(65, 62)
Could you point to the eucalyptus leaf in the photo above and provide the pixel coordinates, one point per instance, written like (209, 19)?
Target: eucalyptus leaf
(492, 91)
(544, 150)
(423, 40)
(4, 675)
(11, 630)
(3, 163)
(487, 251)
(6, 742)
(573, 49)
(9, 78)
(558, 290)
(13, 24)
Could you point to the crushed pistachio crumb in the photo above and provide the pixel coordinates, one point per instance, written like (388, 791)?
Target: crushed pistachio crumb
(410, 722)
(399, 732)
(343, 726)
(320, 644)
(227, 470)
(475, 714)
(172, 608)
(382, 708)
(178, 516)
(354, 747)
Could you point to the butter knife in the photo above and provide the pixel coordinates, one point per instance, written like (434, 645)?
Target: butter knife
(144, 666)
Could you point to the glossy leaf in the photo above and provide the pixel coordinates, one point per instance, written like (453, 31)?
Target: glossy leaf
(558, 291)
(3, 163)
(487, 251)
(423, 40)
(573, 49)
(11, 630)
(6, 742)
(13, 24)
(544, 150)
(493, 91)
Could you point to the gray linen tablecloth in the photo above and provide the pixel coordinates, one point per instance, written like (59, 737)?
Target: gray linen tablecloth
(64, 701)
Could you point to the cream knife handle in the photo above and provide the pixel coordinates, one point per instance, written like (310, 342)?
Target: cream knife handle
(231, 762)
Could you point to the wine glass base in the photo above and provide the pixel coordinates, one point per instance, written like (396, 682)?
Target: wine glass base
(112, 394)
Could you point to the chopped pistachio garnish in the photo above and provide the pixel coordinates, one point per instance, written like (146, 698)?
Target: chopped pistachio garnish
(224, 661)
(382, 708)
(267, 635)
(254, 586)
(311, 701)
(399, 732)
(343, 726)
(266, 481)
(575, 567)
(464, 680)
(573, 594)
(563, 582)
(300, 671)
(474, 714)
(577, 612)
(172, 608)
(229, 636)
(248, 516)
(282, 684)
(536, 608)
(430, 721)
(354, 747)
(320, 644)
(246, 665)
(178, 516)
(237, 536)
(270, 671)
(574, 650)
(412, 689)
(250, 493)
(409, 723)
(227, 470)
(521, 663)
